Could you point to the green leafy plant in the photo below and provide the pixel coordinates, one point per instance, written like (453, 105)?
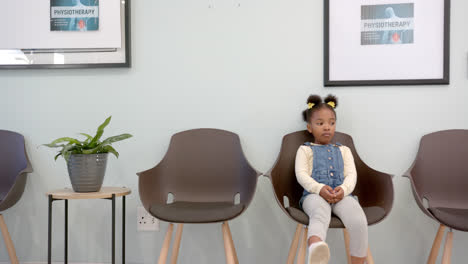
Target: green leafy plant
(91, 145)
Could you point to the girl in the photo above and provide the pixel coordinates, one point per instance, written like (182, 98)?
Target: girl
(328, 175)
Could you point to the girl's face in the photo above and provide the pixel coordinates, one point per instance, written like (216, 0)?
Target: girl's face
(322, 125)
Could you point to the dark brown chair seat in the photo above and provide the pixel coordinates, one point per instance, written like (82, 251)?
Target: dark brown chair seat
(454, 217)
(193, 212)
(374, 189)
(374, 214)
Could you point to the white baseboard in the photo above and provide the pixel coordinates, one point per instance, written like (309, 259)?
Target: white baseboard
(61, 262)
(45, 262)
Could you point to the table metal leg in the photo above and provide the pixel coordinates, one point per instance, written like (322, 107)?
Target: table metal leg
(113, 228)
(49, 249)
(123, 229)
(66, 231)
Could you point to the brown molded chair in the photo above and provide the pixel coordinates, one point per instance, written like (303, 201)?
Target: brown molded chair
(374, 190)
(204, 170)
(14, 166)
(439, 175)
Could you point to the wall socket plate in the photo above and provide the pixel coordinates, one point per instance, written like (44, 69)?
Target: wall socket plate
(145, 221)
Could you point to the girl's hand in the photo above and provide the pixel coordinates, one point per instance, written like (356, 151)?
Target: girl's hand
(338, 194)
(327, 193)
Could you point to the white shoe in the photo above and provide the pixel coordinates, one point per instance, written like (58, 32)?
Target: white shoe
(319, 253)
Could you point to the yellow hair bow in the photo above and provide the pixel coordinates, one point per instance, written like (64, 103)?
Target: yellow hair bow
(332, 104)
(310, 105)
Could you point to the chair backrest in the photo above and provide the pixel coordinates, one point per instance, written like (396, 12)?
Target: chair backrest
(283, 175)
(13, 160)
(201, 165)
(441, 166)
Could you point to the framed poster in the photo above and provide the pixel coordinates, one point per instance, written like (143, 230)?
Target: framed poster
(386, 42)
(65, 34)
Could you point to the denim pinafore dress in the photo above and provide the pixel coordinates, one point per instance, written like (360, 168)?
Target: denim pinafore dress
(328, 166)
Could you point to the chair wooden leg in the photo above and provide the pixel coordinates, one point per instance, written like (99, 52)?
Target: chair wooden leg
(233, 248)
(303, 249)
(176, 246)
(346, 240)
(448, 248)
(166, 245)
(369, 259)
(294, 244)
(436, 245)
(8, 242)
(227, 244)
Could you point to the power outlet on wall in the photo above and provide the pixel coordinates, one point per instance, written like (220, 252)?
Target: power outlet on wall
(145, 221)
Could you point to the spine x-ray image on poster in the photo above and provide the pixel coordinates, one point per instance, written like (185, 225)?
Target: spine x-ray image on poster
(387, 24)
(74, 15)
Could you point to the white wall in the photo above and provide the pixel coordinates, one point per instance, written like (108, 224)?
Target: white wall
(247, 69)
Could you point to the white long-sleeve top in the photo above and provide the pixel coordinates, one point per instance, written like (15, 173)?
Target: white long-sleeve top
(305, 164)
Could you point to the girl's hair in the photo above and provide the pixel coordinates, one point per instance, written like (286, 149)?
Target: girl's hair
(314, 103)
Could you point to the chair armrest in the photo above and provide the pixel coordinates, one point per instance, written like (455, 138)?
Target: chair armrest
(259, 173)
(144, 173)
(386, 196)
(15, 192)
(149, 187)
(407, 174)
(278, 198)
(29, 168)
(417, 196)
(269, 172)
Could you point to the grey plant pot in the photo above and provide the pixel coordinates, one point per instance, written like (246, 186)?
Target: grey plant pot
(87, 171)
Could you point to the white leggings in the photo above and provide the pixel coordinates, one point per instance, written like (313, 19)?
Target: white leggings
(350, 213)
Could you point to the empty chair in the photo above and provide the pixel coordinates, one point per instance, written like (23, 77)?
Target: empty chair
(14, 166)
(203, 171)
(374, 191)
(439, 175)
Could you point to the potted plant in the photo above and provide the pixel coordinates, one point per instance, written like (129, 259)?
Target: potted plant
(87, 160)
